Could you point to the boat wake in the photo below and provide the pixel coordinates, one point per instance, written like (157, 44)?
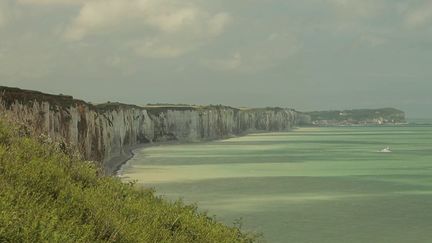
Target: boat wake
(385, 150)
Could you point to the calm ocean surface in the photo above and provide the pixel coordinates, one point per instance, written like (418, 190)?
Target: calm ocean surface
(309, 185)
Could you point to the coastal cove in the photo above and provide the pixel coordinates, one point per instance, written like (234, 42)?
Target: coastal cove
(114, 165)
(309, 185)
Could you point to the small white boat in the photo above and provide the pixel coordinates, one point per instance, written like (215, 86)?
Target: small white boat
(386, 150)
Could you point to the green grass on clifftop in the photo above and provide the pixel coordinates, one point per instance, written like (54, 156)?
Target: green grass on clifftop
(47, 195)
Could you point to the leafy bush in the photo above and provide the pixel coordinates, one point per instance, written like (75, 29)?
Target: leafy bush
(47, 195)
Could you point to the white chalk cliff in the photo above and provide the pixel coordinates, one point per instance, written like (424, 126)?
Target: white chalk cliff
(103, 132)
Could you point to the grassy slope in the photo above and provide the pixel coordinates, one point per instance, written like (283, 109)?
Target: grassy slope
(47, 195)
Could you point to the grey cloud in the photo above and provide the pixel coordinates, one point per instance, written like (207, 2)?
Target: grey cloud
(171, 27)
(420, 15)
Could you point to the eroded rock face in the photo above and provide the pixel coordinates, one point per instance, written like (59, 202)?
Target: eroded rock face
(105, 131)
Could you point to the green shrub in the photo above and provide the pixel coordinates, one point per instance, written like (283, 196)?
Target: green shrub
(49, 196)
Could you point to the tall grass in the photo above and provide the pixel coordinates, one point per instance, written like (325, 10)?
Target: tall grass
(48, 195)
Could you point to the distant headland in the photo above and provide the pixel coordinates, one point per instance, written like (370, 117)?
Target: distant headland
(360, 117)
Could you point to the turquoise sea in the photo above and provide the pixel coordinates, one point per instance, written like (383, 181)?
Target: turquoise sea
(308, 185)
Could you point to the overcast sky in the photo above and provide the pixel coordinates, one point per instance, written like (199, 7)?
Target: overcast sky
(308, 55)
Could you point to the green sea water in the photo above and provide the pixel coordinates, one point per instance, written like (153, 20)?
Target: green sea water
(308, 185)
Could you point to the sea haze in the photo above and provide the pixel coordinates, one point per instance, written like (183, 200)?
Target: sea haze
(309, 185)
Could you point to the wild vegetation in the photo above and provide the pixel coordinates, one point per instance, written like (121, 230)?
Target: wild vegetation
(48, 194)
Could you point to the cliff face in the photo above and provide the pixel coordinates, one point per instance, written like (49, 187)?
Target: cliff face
(104, 132)
(357, 117)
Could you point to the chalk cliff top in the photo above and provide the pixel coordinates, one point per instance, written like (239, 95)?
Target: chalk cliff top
(12, 94)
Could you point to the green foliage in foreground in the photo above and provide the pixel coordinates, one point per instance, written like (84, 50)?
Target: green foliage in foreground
(47, 195)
